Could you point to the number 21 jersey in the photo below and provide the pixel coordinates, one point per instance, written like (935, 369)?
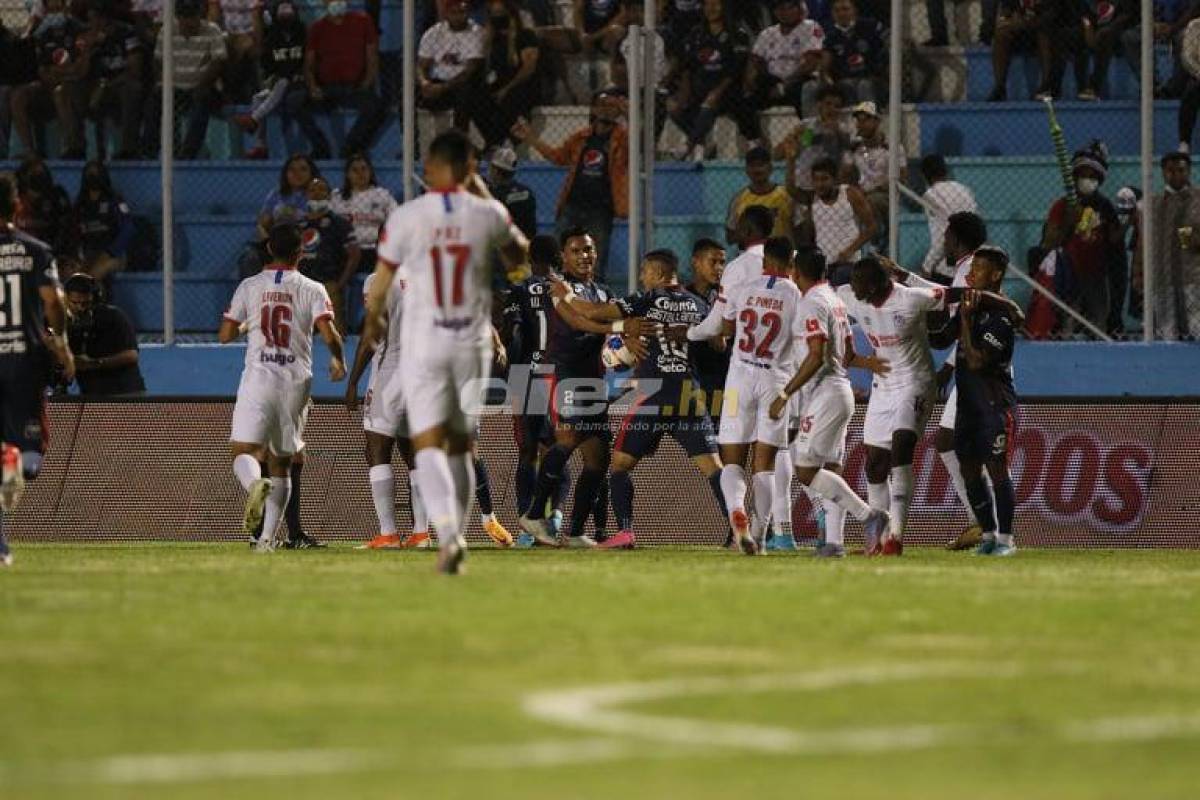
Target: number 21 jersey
(442, 244)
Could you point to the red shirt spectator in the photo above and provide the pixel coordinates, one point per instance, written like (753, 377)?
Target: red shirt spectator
(340, 45)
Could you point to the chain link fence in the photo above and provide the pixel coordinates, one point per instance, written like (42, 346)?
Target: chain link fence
(783, 104)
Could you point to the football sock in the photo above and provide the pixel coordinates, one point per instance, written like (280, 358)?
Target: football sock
(420, 515)
(247, 469)
(764, 491)
(292, 513)
(586, 489)
(600, 510)
(1006, 506)
(483, 488)
(462, 470)
(436, 486)
(833, 487)
(982, 505)
(622, 498)
(877, 495)
(714, 483)
(562, 492)
(902, 491)
(950, 459)
(835, 522)
(549, 475)
(733, 487)
(782, 506)
(383, 491)
(277, 501)
(526, 480)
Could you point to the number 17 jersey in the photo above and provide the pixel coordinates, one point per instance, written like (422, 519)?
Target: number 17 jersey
(442, 244)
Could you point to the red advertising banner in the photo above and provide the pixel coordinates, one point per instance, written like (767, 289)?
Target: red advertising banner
(1087, 475)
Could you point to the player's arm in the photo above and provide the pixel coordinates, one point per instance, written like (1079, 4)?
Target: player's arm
(714, 324)
(376, 301)
(868, 227)
(812, 362)
(905, 277)
(56, 321)
(333, 340)
(871, 363)
(597, 312)
(996, 302)
(362, 357)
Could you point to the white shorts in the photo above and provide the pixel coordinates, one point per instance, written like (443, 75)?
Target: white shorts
(950, 412)
(823, 423)
(746, 408)
(905, 408)
(384, 412)
(271, 411)
(444, 386)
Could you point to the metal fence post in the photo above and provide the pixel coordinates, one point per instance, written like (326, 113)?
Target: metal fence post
(408, 116)
(1147, 119)
(895, 110)
(635, 158)
(168, 169)
(649, 121)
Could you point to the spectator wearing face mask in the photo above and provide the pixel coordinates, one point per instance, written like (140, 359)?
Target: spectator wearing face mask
(330, 252)
(105, 224)
(44, 208)
(1087, 232)
(282, 67)
(103, 341)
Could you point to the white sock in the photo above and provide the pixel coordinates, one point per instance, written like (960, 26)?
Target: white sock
(950, 459)
(277, 500)
(733, 486)
(419, 514)
(764, 491)
(383, 487)
(835, 522)
(462, 469)
(484, 519)
(247, 470)
(833, 487)
(902, 492)
(436, 484)
(1004, 539)
(877, 496)
(989, 536)
(782, 506)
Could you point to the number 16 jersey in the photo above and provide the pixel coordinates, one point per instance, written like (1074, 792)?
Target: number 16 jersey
(282, 307)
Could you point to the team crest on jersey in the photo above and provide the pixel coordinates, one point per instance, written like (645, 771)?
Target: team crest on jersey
(899, 320)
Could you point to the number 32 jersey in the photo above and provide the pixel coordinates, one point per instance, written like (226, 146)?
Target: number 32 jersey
(770, 326)
(442, 243)
(282, 307)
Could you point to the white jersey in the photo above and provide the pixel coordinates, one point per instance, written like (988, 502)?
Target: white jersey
(896, 329)
(387, 355)
(747, 267)
(825, 317)
(783, 53)
(835, 224)
(442, 245)
(770, 325)
(282, 307)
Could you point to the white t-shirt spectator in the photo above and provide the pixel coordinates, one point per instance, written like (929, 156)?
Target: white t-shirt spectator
(367, 211)
(872, 164)
(193, 54)
(660, 56)
(450, 50)
(784, 52)
(237, 16)
(949, 197)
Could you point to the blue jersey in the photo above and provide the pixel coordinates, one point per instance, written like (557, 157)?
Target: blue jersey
(527, 320)
(990, 387)
(709, 364)
(670, 306)
(577, 353)
(26, 266)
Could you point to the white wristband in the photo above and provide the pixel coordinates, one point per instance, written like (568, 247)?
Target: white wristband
(618, 326)
(783, 395)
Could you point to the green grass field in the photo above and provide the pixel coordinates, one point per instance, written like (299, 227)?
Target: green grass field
(187, 671)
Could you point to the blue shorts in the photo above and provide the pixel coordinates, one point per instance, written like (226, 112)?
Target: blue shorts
(649, 419)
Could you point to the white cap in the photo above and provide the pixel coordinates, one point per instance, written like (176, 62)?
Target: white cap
(504, 158)
(868, 108)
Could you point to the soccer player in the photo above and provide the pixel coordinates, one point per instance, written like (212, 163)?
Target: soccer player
(278, 309)
(964, 234)
(763, 314)
(527, 328)
(33, 324)
(578, 401)
(666, 396)
(385, 424)
(710, 359)
(441, 246)
(827, 403)
(987, 402)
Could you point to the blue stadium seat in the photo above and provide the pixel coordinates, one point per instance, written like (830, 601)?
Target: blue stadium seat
(199, 301)
(1024, 75)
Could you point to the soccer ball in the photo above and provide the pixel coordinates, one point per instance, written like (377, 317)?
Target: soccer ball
(615, 354)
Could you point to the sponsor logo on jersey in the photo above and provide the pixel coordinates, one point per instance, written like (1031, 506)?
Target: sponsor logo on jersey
(283, 359)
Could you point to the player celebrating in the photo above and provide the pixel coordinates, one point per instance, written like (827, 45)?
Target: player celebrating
(527, 326)
(827, 403)
(764, 316)
(663, 381)
(278, 308)
(33, 324)
(579, 401)
(442, 244)
(987, 401)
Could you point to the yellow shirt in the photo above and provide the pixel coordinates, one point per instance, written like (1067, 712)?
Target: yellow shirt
(778, 200)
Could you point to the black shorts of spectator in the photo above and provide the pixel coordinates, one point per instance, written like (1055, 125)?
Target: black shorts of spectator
(1053, 27)
(1102, 31)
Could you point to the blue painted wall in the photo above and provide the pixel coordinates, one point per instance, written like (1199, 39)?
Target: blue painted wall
(1043, 369)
